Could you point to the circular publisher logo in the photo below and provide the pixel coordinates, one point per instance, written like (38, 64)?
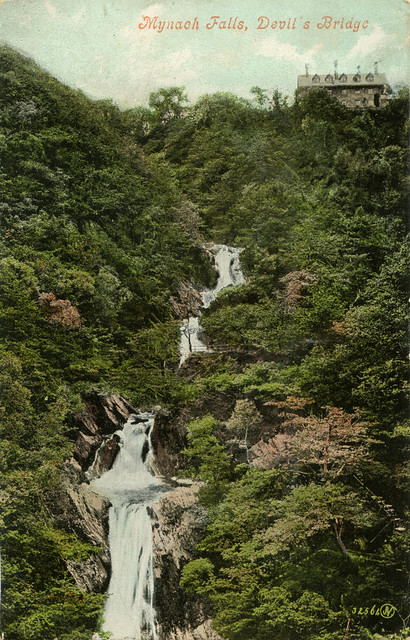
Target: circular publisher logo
(387, 610)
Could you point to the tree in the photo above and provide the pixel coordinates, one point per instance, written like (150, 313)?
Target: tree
(208, 459)
(168, 104)
(260, 96)
(337, 444)
(245, 419)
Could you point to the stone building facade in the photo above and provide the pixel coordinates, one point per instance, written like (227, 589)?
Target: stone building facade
(354, 91)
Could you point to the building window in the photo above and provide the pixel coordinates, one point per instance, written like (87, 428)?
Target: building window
(376, 100)
(370, 77)
(316, 78)
(329, 78)
(357, 77)
(343, 78)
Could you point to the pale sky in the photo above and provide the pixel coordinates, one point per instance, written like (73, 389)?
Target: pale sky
(98, 46)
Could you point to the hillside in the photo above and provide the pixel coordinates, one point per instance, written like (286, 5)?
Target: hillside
(106, 216)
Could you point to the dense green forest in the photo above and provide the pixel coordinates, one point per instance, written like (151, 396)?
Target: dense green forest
(103, 213)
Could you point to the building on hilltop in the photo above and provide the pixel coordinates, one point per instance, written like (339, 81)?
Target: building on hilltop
(354, 91)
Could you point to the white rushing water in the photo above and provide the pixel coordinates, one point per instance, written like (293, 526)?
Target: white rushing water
(229, 270)
(129, 610)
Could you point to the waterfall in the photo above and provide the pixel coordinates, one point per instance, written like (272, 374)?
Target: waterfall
(129, 610)
(229, 270)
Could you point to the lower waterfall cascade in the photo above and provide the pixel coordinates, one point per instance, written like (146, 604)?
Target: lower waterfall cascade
(230, 273)
(129, 612)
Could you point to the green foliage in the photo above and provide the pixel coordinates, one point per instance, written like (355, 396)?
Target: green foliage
(167, 103)
(197, 576)
(208, 459)
(271, 556)
(103, 212)
(40, 598)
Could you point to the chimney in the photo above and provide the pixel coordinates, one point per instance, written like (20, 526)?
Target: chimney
(307, 69)
(336, 75)
(376, 68)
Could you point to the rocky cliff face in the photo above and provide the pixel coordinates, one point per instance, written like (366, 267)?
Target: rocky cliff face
(79, 510)
(74, 506)
(101, 417)
(179, 521)
(187, 302)
(179, 524)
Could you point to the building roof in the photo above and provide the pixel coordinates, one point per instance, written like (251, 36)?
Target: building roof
(342, 80)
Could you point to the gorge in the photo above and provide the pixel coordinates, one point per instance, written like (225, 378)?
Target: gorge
(131, 487)
(268, 431)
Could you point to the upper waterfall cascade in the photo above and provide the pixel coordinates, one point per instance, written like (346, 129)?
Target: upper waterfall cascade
(129, 610)
(228, 266)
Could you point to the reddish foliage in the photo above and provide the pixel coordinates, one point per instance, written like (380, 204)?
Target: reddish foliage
(296, 285)
(339, 328)
(334, 443)
(59, 312)
(292, 404)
